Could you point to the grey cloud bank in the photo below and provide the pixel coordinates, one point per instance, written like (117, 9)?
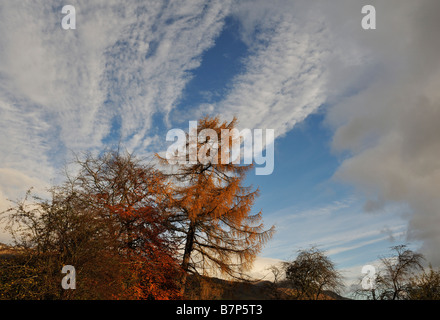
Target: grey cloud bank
(390, 123)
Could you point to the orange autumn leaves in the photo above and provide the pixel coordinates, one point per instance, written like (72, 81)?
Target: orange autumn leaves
(211, 210)
(133, 197)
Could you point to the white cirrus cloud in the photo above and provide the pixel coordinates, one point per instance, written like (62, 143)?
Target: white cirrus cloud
(284, 76)
(75, 90)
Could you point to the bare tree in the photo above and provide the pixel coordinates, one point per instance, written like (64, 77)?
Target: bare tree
(311, 273)
(392, 279)
(277, 273)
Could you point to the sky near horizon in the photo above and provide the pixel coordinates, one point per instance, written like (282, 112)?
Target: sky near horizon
(355, 112)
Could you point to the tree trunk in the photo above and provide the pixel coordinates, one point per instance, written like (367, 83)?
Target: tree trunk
(187, 254)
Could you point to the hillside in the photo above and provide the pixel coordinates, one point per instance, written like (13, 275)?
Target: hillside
(207, 288)
(6, 251)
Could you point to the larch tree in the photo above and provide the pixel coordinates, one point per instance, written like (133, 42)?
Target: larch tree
(210, 207)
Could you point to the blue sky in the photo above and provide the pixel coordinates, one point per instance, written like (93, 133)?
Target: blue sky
(355, 112)
(311, 208)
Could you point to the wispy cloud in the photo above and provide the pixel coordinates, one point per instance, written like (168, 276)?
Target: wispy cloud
(64, 90)
(284, 75)
(360, 244)
(338, 228)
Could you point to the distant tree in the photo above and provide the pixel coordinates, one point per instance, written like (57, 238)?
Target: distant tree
(274, 285)
(311, 273)
(392, 278)
(211, 209)
(276, 273)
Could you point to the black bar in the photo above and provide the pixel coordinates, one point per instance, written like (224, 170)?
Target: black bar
(219, 309)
